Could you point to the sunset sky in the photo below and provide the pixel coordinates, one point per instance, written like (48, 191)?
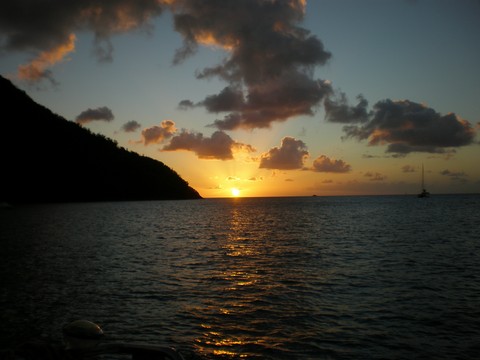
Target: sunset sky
(272, 98)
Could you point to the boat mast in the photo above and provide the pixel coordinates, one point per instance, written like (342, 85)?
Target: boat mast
(423, 179)
(424, 192)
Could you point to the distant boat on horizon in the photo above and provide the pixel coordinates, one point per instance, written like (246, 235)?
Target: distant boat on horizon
(424, 193)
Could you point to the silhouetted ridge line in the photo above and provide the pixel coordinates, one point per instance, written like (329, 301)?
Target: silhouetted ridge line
(45, 158)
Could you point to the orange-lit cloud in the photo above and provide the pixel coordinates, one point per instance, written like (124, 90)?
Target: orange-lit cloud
(268, 68)
(268, 63)
(289, 156)
(37, 69)
(219, 146)
(269, 56)
(325, 164)
(48, 28)
(107, 18)
(118, 16)
(157, 134)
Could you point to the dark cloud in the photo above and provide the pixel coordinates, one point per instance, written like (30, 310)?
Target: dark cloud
(289, 156)
(219, 146)
(157, 134)
(276, 100)
(325, 164)
(185, 104)
(406, 126)
(102, 113)
(338, 109)
(268, 66)
(227, 100)
(131, 126)
(47, 28)
(263, 36)
(269, 63)
(47, 24)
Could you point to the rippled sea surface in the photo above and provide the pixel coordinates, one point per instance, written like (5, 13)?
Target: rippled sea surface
(391, 277)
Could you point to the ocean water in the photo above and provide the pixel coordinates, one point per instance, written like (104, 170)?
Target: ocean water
(381, 277)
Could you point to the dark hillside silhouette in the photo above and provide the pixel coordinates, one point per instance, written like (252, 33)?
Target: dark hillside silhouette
(45, 158)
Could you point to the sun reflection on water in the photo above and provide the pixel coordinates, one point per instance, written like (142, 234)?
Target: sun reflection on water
(221, 344)
(229, 334)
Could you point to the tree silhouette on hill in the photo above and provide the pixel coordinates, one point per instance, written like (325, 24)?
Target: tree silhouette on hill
(45, 158)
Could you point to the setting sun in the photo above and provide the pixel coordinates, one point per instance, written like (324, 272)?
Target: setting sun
(235, 192)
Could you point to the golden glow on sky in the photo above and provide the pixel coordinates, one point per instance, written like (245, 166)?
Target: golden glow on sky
(234, 136)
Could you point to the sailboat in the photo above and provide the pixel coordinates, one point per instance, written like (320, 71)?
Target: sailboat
(424, 193)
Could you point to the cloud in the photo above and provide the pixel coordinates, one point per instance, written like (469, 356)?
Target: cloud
(340, 111)
(219, 146)
(269, 57)
(157, 134)
(185, 104)
(268, 66)
(459, 176)
(369, 156)
(375, 176)
(290, 155)
(101, 113)
(406, 126)
(228, 99)
(48, 27)
(275, 100)
(408, 169)
(325, 164)
(37, 69)
(131, 126)
(269, 62)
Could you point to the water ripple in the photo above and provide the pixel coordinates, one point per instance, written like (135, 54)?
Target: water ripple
(299, 278)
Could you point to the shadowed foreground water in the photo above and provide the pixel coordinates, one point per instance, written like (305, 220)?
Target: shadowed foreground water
(277, 278)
